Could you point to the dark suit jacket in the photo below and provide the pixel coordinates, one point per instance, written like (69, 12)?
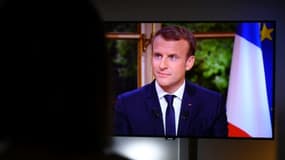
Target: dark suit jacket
(203, 113)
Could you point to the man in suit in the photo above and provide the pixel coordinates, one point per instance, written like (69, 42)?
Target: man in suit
(192, 111)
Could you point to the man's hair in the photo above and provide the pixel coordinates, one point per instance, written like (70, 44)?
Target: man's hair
(177, 33)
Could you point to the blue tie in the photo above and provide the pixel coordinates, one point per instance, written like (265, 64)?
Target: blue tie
(170, 116)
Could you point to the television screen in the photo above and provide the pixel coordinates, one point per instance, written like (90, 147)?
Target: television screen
(192, 79)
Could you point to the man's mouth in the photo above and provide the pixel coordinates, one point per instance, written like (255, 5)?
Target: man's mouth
(163, 75)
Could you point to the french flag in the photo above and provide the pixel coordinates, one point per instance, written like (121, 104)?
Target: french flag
(248, 103)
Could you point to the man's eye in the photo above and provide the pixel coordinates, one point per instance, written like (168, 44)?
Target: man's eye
(157, 56)
(172, 57)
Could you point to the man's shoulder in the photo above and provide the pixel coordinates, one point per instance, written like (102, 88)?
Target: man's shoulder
(200, 90)
(144, 90)
(204, 95)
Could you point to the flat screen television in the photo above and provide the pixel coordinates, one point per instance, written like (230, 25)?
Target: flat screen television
(228, 92)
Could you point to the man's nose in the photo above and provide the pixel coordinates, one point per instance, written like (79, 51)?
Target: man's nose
(163, 63)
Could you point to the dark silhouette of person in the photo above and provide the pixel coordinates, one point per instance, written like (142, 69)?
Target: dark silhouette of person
(57, 82)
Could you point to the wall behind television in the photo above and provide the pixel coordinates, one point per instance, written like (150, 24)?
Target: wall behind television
(149, 10)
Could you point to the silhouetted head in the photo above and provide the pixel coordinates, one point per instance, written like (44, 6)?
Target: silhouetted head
(57, 78)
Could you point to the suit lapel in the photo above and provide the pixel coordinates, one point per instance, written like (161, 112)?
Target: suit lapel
(154, 109)
(189, 109)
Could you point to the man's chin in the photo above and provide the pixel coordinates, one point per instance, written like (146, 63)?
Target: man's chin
(163, 83)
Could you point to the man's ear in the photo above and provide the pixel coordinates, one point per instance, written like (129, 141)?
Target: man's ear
(190, 63)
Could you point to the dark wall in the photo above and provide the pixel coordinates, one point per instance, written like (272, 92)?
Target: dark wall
(180, 10)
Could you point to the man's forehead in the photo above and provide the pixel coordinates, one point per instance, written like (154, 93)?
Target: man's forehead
(162, 40)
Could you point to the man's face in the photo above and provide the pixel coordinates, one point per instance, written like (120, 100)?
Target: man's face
(170, 62)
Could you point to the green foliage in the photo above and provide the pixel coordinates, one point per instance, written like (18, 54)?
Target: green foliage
(124, 53)
(125, 58)
(124, 64)
(212, 64)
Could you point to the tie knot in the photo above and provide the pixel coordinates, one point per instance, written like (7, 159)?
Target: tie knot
(169, 98)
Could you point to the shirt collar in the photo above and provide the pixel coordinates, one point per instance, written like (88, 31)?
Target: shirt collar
(178, 93)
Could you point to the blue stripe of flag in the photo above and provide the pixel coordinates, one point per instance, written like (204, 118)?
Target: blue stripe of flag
(267, 53)
(250, 31)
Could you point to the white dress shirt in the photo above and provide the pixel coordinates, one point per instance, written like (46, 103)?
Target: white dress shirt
(176, 102)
